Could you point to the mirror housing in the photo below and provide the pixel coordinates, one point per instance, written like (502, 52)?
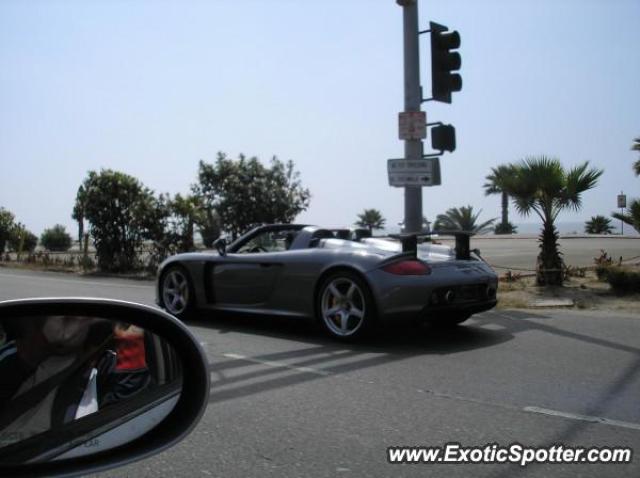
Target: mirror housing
(221, 246)
(178, 422)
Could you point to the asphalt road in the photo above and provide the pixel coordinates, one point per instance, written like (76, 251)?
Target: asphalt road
(286, 401)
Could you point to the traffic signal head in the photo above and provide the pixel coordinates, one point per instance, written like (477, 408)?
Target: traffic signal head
(444, 62)
(443, 138)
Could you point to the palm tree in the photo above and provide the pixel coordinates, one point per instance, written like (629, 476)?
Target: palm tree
(632, 216)
(542, 185)
(462, 219)
(371, 219)
(598, 225)
(636, 147)
(495, 185)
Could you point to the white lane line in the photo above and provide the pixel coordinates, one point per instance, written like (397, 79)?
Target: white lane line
(530, 409)
(76, 281)
(584, 418)
(271, 363)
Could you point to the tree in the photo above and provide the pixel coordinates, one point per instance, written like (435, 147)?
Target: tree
(542, 185)
(182, 215)
(6, 227)
(598, 225)
(245, 193)
(636, 147)
(208, 223)
(632, 216)
(78, 211)
(56, 239)
(21, 239)
(462, 219)
(371, 219)
(122, 213)
(495, 185)
(184, 211)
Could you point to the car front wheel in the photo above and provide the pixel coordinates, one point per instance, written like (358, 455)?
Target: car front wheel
(345, 307)
(178, 297)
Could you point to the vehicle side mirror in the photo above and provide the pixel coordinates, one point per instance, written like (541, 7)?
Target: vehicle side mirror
(221, 246)
(92, 384)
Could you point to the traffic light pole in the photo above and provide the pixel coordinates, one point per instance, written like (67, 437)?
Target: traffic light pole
(413, 148)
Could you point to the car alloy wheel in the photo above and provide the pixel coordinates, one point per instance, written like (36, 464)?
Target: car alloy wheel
(176, 292)
(343, 306)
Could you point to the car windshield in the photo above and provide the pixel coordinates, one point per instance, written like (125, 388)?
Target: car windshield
(269, 241)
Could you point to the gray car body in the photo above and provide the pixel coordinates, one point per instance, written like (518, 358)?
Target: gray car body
(287, 282)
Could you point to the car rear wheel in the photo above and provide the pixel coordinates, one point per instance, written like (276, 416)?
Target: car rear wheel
(176, 289)
(345, 307)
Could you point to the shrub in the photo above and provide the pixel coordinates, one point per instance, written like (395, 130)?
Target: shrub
(22, 240)
(603, 262)
(505, 228)
(623, 280)
(56, 239)
(598, 225)
(601, 272)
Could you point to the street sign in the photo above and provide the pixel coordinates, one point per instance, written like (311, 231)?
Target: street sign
(412, 125)
(622, 201)
(419, 172)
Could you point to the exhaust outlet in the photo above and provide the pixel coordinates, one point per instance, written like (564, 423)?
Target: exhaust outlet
(449, 296)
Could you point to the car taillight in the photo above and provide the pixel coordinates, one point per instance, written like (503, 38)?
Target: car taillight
(407, 268)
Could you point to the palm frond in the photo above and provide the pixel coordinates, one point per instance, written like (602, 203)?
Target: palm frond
(579, 179)
(462, 219)
(632, 216)
(497, 178)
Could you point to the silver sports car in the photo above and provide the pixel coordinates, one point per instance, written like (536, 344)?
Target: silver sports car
(345, 281)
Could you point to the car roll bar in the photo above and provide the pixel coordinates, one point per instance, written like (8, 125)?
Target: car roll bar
(409, 241)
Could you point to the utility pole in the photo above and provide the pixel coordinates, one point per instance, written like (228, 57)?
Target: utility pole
(417, 170)
(413, 148)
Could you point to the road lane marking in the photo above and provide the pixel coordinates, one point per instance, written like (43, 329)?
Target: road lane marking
(74, 281)
(584, 418)
(271, 363)
(436, 394)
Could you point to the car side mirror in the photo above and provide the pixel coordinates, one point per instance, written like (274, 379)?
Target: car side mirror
(92, 384)
(221, 246)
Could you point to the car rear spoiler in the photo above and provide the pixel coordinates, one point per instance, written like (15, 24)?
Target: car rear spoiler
(463, 240)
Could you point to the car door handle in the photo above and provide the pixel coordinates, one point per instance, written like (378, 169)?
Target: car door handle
(265, 265)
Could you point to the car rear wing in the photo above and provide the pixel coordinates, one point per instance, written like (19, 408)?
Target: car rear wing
(409, 241)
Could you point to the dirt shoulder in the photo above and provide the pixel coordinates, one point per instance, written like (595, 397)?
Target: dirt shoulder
(578, 292)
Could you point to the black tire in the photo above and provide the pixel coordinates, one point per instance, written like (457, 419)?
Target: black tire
(170, 279)
(449, 321)
(354, 301)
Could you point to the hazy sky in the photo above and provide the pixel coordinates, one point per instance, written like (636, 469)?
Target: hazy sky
(151, 87)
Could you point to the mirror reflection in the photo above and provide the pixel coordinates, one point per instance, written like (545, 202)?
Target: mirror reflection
(72, 386)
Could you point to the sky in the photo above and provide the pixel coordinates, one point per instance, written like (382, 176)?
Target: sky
(150, 87)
